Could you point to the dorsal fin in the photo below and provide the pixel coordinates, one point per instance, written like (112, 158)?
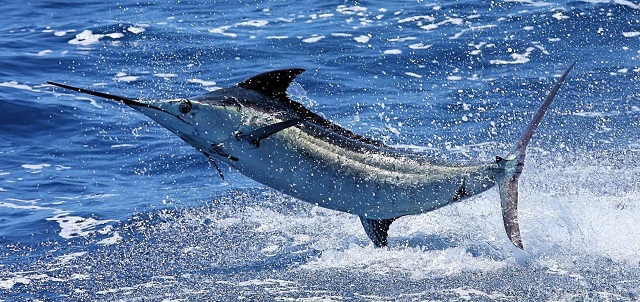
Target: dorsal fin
(273, 83)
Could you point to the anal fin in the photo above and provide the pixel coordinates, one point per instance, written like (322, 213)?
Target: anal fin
(377, 230)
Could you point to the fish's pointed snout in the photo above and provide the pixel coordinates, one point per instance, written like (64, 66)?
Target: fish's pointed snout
(136, 104)
(94, 93)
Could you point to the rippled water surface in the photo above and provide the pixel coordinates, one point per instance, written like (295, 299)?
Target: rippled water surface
(99, 203)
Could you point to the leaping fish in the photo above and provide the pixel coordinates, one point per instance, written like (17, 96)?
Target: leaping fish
(257, 129)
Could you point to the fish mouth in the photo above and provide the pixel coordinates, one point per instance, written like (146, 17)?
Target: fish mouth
(135, 104)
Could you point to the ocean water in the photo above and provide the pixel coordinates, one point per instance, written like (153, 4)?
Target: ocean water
(99, 203)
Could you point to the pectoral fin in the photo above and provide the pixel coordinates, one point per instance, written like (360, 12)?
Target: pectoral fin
(256, 136)
(377, 230)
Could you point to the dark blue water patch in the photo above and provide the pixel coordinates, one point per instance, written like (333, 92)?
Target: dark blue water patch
(43, 119)
(27, 228)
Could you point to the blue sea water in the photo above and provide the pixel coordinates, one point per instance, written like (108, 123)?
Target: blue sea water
(99, 203)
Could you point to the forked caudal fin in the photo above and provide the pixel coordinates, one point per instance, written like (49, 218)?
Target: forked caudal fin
(513, 164)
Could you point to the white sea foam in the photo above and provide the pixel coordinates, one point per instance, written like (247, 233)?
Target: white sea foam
(459, 34)
(165, 75)
(474, 28)
(540, 47)
(313, 39)
(35, 168)
(21, 207)
(345, 246)
(417, 18)
(202, 82)
(87, 37)
(69, 257)
(453, 21)
(59, 33)
(75, 226)
(61, 168)
(287, 20)
(126, 79)
(420, 46)
(595, 114)
(42, 53)
(222, 30)
(99, 196)
(29, 201)
(470, 294)
(147, 285)
(627, 3)
(268, 281)
(517, 58)
(76, 276)
(114, 35)
(7, 284)
(532, 3)
(92, 101)
(25, 278)
(254, 23)
(16, 85)
(351, 10)
(123, 77)
(560, 16)
(429, 26)
(208, 85)
(135, 29)
(121, 146)
(403, 39)
(419, 263)
(115, 239)
(392, 52)
(362, 38)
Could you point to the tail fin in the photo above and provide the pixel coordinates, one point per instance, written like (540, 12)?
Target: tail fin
(513, 164)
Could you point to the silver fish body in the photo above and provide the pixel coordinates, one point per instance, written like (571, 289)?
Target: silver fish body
(255, 128)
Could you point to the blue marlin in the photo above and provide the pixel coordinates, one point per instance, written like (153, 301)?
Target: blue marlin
(257, 129)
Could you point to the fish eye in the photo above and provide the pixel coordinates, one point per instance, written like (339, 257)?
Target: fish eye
(184, 106)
